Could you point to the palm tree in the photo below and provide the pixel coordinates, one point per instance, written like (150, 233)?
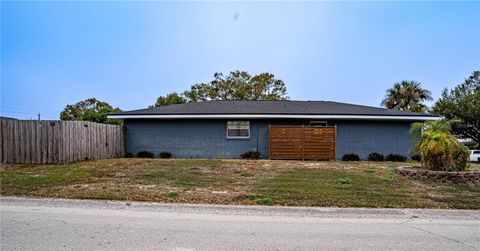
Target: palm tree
(407, 96)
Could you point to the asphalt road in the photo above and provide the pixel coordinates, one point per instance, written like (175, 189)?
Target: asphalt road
(46, 224)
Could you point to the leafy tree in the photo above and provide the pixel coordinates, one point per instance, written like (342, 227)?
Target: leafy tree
(407, 96)
(462, 105)
(238, 85)
(90, 110)
(170, 99)
(438, 148)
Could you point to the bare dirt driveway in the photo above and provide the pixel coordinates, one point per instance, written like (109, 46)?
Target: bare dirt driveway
(48, 224)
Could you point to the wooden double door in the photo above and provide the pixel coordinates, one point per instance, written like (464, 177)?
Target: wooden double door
(302, 142)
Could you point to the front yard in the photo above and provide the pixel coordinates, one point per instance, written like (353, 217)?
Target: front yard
(292, 183)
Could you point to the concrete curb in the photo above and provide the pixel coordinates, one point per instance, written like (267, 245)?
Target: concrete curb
(321, 212)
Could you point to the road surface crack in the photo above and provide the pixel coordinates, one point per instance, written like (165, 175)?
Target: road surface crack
(444, 237)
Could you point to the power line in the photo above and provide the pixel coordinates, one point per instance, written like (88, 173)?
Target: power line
(18, 109)
(31, 115)
(23, 111)
(17, 112)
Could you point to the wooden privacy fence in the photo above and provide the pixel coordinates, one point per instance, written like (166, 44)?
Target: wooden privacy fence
(49, 142)
(302, 142)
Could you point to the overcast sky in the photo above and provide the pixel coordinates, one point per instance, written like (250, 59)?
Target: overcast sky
(125, 53)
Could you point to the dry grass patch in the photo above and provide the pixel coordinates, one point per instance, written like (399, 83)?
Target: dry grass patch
(248, 182)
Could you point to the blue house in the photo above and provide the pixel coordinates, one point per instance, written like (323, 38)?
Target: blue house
(226, 129)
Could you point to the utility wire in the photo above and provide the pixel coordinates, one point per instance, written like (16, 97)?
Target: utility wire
(23, 111)
(18, 109)
(32, 115)
(16, 112)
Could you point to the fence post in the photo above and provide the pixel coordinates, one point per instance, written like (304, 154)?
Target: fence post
(303, 142)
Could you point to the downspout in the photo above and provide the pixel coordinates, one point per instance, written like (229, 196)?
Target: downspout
(256, 122)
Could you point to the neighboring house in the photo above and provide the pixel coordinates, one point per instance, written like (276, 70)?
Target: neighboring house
(470, 143)
(226, 129)
(1, 117)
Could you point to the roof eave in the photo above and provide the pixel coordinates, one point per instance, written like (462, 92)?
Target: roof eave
(275, 116)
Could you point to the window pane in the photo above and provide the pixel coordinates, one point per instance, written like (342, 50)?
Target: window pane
(238, 124)
(244, 123)
(233, 133)
(240, 129)
(318, 123)
(243, 132)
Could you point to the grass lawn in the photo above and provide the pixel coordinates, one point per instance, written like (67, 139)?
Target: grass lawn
(292, 183)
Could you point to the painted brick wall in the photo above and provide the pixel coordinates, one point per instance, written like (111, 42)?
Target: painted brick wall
(364, 137)
(207, 138)
(190, 138)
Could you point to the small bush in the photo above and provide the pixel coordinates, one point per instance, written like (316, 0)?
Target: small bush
(371, 170)
(345, 180)
(171, 194)
(265, 201)
(250, 155)
(128, 155)
(145, 154)
(376, 157)
(461, 156)
(165, 155)
(395, 157)
(350, 157)
(416, 157)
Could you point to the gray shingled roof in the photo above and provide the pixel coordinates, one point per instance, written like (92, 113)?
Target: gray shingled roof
(270, 107)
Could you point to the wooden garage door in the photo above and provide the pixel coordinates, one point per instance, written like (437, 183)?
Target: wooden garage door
(302, 142)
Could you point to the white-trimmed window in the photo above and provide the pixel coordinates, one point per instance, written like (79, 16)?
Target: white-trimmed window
(238, 129)
(318, 123)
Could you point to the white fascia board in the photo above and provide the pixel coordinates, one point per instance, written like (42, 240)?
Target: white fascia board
(273, 116)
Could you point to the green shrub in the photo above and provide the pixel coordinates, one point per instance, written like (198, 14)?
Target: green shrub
(375, 157)
(416, 157)
(265, 201)
(345, 180)
(395, 157)
(145, 154)
(461, 156)
(165, 155)
(171, 194)
(350, 157)
(252, 196)
(250, 155)
(439, 149)
(371, 170)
